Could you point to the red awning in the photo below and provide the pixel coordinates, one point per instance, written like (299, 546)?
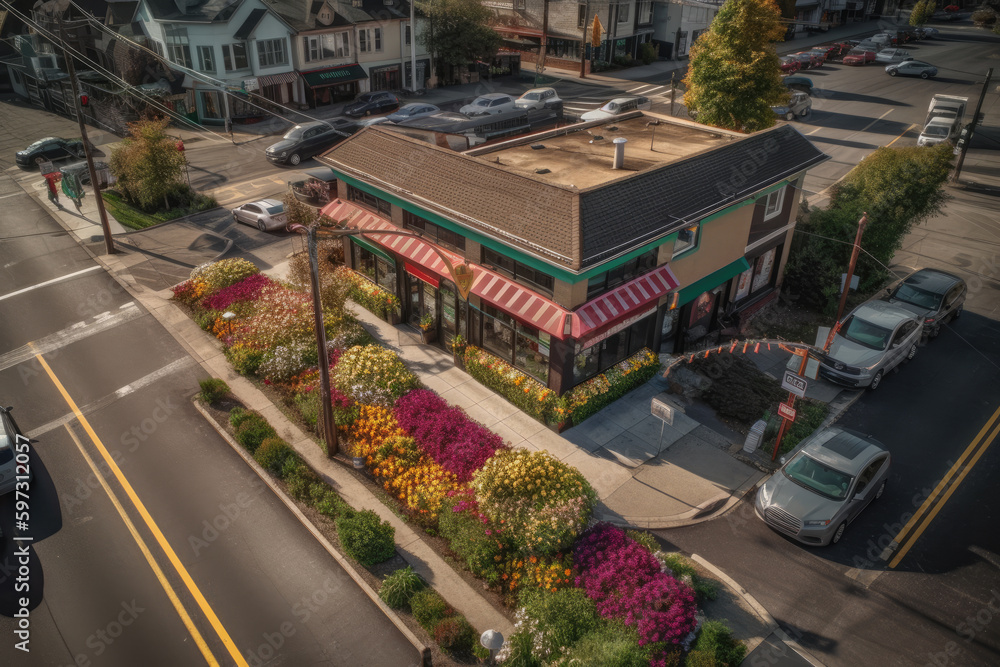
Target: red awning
(623, 302)
(426, 276)
(277, 79)
(520, 302)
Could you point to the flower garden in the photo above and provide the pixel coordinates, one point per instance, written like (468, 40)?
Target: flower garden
(586, 593)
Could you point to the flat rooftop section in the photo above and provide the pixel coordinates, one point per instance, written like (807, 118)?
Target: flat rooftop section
(581, 155)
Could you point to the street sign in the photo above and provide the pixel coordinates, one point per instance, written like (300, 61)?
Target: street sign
(794, 383)
(786, 411)
(664, 410)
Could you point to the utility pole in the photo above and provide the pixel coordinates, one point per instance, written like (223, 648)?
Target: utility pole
(612, 20)
(109, 245)
(543, 50)
(673, 89)
(413, 47)
(329, 428)
(972, 127)
(586, 40)
(850, 268)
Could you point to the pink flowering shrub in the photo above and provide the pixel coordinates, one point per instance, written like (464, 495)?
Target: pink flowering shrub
(247, 289)
(445, 433)
(625, 581)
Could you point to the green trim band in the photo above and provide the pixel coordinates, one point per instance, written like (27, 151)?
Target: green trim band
(712, 280)
(373, 247)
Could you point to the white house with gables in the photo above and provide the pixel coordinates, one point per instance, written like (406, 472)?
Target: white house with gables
(241, 46)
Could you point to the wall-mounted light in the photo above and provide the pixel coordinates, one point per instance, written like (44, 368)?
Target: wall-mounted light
(674, 298)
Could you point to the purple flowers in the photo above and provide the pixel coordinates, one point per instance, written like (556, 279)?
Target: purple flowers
(446, 434)
(247, 289)
(625, 582)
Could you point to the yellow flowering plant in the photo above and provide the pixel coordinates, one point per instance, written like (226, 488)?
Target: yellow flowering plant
(602, 390)
(545, 502)
(372, 374)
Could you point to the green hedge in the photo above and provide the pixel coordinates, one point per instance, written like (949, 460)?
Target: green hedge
(598, 392)
(522, 390)
(366, 538)
(400, 586)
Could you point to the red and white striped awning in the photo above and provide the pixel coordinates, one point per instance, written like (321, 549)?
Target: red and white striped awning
(519, 302)
(621, 302)
(276, 79)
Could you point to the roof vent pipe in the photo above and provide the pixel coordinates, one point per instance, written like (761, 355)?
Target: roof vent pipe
(619, 162)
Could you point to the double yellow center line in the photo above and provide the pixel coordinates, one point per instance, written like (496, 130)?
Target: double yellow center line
(915, 527)
(189, 583)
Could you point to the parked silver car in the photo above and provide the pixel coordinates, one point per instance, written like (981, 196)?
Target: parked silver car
(539, 98)
(265, 214)
(871, 341)
(892, 56)
(616, 107)
(935, 297)
(488, 104)
(823, 485)
(799, 104)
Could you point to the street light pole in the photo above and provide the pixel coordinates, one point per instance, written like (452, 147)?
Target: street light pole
(329, 429)
(109, 245)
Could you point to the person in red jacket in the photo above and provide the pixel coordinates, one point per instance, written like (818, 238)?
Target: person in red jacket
(50, 181)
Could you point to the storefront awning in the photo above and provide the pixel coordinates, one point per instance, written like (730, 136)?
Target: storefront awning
(424, 275)
(329, 76)
(514, 299)
(373, 247)
(277, 79)
(623, 302)
(712, 280)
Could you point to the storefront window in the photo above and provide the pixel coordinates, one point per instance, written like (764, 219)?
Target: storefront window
(386, 274)
(498, 334)
(585, 364)
(364, 262)
(621, 274)
(531, 354)
(762, 269)
(617, 347)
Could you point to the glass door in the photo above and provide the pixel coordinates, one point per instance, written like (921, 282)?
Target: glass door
(413, 291)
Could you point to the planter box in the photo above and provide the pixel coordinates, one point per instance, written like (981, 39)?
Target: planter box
(392, 317)
(428, 337)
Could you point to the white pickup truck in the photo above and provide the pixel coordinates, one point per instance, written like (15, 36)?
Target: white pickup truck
(944, 119)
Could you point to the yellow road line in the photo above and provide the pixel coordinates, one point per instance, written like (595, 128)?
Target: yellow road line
(161, 540)
(174, 600)
(944, 499)
(912, 125)
(944, 480)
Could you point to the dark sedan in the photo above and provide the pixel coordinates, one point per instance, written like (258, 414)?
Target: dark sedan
(48, 150)
(936, 297)
(308, 139)
(368, 104)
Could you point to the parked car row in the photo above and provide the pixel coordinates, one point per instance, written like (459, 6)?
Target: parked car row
(834, 474)
(880, 334)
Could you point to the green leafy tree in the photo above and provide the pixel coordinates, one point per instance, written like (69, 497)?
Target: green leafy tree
(460, 33)
(735, 77)
(898, 188)
(148, 165)
(922, 12)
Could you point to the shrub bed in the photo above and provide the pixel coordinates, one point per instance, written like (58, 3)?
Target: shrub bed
(598, 392)
(366, 538)
(626, 583)
(543, 502)
(445, 433)
(522, 390)
(373, 375)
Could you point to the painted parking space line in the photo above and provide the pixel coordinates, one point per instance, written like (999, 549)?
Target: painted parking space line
(929, 509)
(171, 555)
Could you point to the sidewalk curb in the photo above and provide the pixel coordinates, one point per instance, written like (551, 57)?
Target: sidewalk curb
(731, 583)
(342, 560)
(706, 511)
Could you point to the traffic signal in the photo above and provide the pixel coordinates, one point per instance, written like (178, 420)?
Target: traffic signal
(84, 100)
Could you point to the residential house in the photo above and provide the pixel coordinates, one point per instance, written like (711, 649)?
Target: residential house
(587, 243)
(240, 47)
(342, 49)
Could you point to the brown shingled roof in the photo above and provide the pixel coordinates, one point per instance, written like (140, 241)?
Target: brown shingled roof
(525, 212)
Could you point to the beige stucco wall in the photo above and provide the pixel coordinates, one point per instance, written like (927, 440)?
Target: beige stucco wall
(722, 242)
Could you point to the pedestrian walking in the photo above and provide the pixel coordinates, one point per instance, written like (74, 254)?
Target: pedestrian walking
(50, 181)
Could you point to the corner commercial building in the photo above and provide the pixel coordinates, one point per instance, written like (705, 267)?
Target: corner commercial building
(581, 258)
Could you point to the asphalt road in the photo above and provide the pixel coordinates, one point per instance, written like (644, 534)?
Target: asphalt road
(843, 603)
(193, 518)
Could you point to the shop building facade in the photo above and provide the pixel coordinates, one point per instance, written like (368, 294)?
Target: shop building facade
(577, 264)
